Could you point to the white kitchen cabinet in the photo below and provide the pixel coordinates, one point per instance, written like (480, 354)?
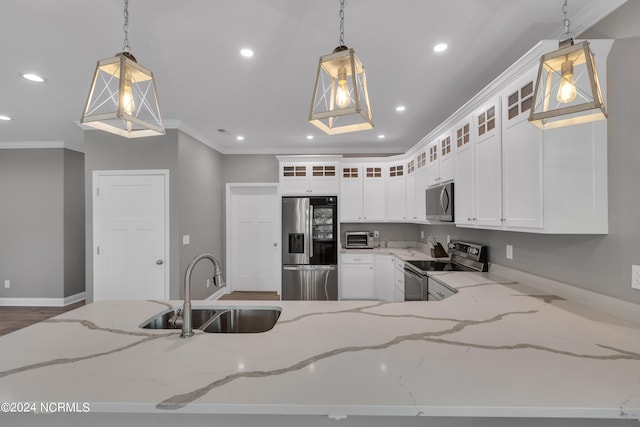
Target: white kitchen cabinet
(410, 192)
(421, 185)
(396, 191)
(385, 277)
(374, 194)
(362, 192)
(317, 176)
(357, 276)
(351, 193)
(440, 161)
(522, 151)
(464, 194)
(488, 164)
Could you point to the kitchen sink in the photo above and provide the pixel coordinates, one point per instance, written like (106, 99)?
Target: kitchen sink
(163, 320)
(243, 320)
(220, 319)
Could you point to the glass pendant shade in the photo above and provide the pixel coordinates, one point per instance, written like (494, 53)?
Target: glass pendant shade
(340, 98)
(567, 89)
(123, 99)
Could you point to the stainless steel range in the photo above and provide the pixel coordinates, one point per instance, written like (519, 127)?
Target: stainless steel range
(420, 286)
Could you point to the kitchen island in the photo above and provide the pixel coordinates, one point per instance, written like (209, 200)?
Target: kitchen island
(496, 349)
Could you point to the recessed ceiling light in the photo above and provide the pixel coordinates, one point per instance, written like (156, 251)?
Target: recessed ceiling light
(33, 77)
(381, 136)
(5, 118)
(309, 136)
(247, 53)
(240, 138)
(400, 108)
(440, 47)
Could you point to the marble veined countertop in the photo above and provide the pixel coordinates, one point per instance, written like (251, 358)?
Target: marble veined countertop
(497, 348)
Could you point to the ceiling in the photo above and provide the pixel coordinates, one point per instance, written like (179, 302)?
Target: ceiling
(204, 84)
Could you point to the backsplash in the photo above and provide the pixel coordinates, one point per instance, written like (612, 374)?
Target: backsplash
(389, 232)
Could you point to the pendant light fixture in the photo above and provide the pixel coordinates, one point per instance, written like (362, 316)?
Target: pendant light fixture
(567, 89)
(340, 98)
(123, 98)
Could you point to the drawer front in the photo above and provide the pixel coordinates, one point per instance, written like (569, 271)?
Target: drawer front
(357, 258)
(399, 264)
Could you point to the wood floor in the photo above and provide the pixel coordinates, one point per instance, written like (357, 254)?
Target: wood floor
(14, 318)
(243, 296)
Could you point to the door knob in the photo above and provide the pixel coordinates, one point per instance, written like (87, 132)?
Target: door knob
(159, 262)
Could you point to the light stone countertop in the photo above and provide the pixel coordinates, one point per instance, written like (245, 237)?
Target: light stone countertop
(497, 348)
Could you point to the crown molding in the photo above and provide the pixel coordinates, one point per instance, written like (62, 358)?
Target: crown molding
(18, 145)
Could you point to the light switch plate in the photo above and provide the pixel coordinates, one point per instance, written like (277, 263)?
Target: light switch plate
(186, 239)
(635, 277)
(7, 284)
(509, 251)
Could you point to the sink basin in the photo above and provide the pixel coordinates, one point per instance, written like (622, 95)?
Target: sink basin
(220, 319)
(162, 321)
(243, 320)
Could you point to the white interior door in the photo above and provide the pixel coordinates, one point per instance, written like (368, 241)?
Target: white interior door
(130, 235)
(253, 238)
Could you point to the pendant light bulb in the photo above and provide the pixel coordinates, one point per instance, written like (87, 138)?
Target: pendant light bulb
(343, 99)
(128, 105)
(567, 90)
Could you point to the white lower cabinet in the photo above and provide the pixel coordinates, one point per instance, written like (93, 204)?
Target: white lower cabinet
(370, 276)
(385, 277)
(357, 276)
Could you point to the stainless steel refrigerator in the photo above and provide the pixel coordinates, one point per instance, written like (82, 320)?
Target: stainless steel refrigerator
(309, 248)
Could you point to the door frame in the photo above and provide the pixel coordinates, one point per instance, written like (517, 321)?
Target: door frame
(96, 174)
(259, 188)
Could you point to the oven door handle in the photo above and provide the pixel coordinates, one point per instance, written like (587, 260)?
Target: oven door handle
(412, 274)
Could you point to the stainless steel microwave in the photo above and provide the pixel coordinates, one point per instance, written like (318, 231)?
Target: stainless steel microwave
(359, 240)
(440, 203)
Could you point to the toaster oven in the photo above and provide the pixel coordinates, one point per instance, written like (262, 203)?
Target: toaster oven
(359, 240)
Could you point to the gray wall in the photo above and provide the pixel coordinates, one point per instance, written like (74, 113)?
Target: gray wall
(104, 151)
(74, 237)
(200, 209)
(388, 231)
(250, 168)
(31, 223)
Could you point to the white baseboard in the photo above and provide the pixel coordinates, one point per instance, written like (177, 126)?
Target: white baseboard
(616, 307)
(42, 302)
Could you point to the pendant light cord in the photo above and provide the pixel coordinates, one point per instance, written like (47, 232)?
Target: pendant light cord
(126, 48)
(567, 32)
(341, 22)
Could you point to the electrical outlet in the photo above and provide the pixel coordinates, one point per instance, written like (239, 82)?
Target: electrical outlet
(376, 234)
(7, 284)
(422, 234)
(186, 239)
(509, 251)
(208, 282)
(448, 239)
(635, 277)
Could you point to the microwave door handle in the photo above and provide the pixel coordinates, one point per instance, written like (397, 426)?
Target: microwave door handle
(444, 196)
(442, 210)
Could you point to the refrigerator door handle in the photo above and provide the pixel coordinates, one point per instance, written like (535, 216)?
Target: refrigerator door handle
(309, 267)
(310, 219)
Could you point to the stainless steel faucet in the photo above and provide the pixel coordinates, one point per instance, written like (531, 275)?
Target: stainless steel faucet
(218, 281)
